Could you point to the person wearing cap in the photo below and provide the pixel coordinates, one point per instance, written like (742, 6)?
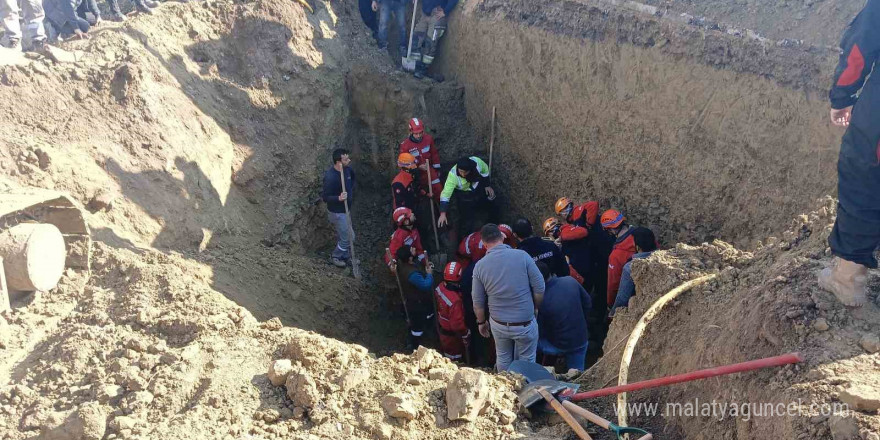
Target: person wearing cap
(421, 145)
(508, 285)
(469, 182)
(454, 333)
(646, 244)
(615, 224)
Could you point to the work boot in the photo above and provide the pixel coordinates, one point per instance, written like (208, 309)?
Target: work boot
(337, 262)
(421, 70)
(412, 342)
(143, 9)
(847, 281)
(151, 3)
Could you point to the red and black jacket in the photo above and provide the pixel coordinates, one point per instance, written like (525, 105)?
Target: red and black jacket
(854, 85)
(405, 237)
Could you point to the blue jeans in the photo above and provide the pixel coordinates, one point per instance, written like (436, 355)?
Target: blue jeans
(573, 358)
(514, 343)
(386, 7)
(344, 235)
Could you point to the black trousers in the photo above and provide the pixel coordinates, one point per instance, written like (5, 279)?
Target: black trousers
(473, 207)
(856, 233)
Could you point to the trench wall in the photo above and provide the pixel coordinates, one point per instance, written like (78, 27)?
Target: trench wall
(695, 133)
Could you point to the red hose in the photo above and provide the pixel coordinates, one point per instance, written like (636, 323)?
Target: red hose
(776, 361)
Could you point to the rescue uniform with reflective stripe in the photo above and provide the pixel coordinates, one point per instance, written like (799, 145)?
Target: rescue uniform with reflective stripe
(405, 237)
(471, 249)
(416, 285)
(454, 182)
(450, 315)
(856, 233)
(624, 249)
(405, 190)
(423, 151)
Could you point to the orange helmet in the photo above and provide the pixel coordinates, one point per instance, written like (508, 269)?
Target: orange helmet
(452, 272)
(551, 226)
(612, 218)
(406, 161)
(401, 214)
(563, 204)
(508, 233)
(416, 126)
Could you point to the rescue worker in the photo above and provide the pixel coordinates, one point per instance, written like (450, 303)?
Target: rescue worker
(417, 284)
(471, 249)
(509, 238)
(421, 146)
(599, 244)
(404, 187)
(855, 104)
(646, 244)
(454, 333)
(541, 250)
(406, 235)
(428, 31)
(552, 228)
(562, 319)
(575, 246)
(614, 223)
(469, 181)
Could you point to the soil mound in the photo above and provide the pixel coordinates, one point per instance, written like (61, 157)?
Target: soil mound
(762, 303)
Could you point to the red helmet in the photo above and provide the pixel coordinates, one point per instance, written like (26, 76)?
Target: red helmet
(401, 214)
(508, 233)
(612, 218)
(452, 271)
(416, 126)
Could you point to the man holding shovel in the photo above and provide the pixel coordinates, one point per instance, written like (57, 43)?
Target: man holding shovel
(336, 198)
(428, 31)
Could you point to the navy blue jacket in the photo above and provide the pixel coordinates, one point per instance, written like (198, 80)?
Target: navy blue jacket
(333, 188)
(447, 5)
(562, 319)
(854, 85)
(548, 252)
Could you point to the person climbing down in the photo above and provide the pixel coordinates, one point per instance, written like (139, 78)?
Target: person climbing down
(541, 250)
(404, 187)
(855, 104)
(333, 194)
(646, 244)
(454, 333)
(421, 145)
(417, 284)
(562, 319)
(469, 181)
(615, 224)
(406, 235)
(427, 33)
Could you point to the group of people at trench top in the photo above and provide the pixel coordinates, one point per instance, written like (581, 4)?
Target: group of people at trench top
(530, 294)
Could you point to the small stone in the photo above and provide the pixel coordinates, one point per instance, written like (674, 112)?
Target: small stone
(870, 343)
(168, 358)
(466, 394)
(400, 406)
(416, 380)
(298, 412)
(191, 352)
(506, 417)
(843, 428)
(353, 377)
(861, 398)
(273, 324)
(159, 347)
(271, 416)
(425, 357)
(440, 374)
(821, 325)
(794, 313)
(102, 201)
(301, 389)
(279, 370)
(123, 422)
(44, 161)
(109, 392)
(872, 436)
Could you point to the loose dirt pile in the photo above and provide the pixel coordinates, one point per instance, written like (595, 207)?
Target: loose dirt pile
(761, 304)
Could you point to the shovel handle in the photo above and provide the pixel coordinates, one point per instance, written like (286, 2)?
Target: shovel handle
(646, 437)
(569, 419)
(587, 414)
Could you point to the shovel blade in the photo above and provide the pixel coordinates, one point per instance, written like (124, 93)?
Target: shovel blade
(356, 268)
(529, 395)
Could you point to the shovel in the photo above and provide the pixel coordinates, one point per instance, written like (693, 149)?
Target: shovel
(399, 288)
(355, 263)
(542, 391)
(408, 63)
(441, 255)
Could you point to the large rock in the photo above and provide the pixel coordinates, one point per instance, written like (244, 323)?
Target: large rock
(88, 422)
(861, 398)
(353, 377)
(466, 394)
(871, 343)
(302, 390)
(400, 406)
(843, 428)
(279, 370)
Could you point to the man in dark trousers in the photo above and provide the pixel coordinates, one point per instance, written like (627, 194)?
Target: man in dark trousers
(541, 250)
(855, 104)
(429, 29)
(335, 197)
(417, 284)
(562, 319)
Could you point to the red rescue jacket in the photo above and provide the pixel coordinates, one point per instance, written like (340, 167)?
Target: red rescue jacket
(405, 237)
(450, 309)
(471, 249)
(584, 215)
(624, 249)
(422, 151)
(406, 190)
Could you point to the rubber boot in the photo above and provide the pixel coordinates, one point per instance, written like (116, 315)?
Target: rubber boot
(421, 70)
(847, 281)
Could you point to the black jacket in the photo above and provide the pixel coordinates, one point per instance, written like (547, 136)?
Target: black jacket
(855, 86)
(548, 252)
(333, 188)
